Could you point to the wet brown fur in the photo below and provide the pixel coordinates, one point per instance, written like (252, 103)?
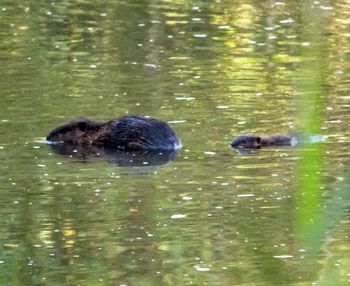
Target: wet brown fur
(126, 133)
(254, 142)
(275, 140)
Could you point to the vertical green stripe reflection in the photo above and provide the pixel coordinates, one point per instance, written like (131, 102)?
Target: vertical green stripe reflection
(309, 221)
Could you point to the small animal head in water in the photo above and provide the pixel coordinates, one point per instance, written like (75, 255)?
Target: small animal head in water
(247, 142)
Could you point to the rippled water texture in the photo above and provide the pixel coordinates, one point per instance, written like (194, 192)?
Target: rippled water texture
(208, 215)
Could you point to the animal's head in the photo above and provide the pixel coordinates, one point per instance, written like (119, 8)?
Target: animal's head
(247, 142)
(71, 131)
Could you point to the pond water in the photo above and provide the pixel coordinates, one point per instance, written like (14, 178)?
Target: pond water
(212, 215)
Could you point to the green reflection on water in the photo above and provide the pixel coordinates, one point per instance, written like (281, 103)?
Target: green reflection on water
(311, 117)
(317, 218)
(209, 217)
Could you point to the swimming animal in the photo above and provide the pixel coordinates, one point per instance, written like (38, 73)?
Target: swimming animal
(249, 141)
(129, 133)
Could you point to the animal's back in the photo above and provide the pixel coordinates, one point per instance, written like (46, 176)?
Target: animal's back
(139, 133)
(126, 133)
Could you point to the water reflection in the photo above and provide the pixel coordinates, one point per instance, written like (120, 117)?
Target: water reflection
(120, 158)
(214, 68)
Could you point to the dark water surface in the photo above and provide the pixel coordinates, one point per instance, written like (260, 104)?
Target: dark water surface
(212, 216)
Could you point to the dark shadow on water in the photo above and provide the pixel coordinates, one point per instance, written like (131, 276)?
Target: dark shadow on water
(119, 158)
(248, 152)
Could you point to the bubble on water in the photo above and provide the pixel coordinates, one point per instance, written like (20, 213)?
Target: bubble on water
(223, 27)
(200, 35)
(286, 256)
(201, 269)
(150, 66)
(245, 195)
(176, 216)
(326, 7)
(184, 98)
(287, 21)
(176, 121)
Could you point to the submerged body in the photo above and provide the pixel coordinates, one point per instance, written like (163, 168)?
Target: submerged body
(130, 133)
(255, 142)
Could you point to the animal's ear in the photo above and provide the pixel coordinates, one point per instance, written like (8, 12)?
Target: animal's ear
(82, 125)
(258, 139)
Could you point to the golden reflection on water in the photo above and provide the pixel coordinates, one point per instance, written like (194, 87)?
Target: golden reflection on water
(214, 70)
